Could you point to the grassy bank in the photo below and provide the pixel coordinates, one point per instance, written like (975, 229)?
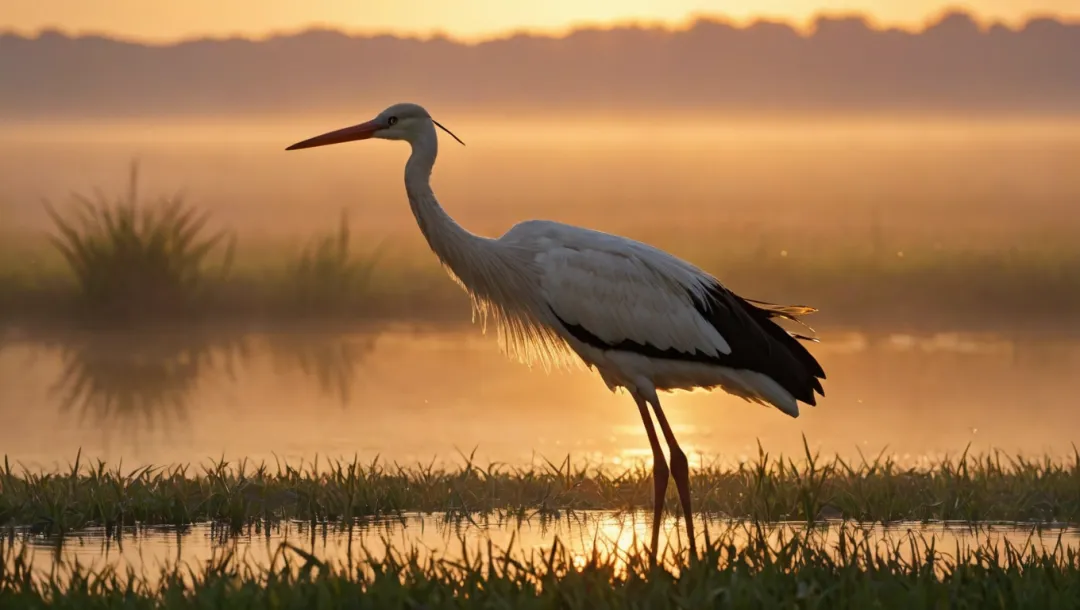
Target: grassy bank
(118, 261)
(777, 488)
(925, 292)
(743, 567)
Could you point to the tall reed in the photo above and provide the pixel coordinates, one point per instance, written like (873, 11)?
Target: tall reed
(327, 276)
(133, 260)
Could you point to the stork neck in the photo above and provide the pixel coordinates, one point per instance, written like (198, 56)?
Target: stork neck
(452, 243)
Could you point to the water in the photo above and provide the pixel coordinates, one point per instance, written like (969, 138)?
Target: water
(611, 535)
(409, 396)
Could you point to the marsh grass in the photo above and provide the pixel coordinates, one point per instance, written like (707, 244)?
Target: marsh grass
(993, 487)
(121, 260)
(1031, 288)
(745, 566)
(132, 260)
(327, 276)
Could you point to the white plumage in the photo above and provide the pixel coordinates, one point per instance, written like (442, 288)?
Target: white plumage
(620, 290)
(644, 319)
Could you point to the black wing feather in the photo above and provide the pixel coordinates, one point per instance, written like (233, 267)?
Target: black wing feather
(757, 342)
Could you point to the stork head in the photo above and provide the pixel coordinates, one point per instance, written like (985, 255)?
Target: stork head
(404, 121)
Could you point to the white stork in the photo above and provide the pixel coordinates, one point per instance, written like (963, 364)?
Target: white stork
(645, 320)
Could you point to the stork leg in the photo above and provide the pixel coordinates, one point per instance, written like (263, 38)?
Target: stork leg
(660, 475)
(680, 471)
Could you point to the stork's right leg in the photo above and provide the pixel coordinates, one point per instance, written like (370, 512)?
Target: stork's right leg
(660, 475)
(680, 469)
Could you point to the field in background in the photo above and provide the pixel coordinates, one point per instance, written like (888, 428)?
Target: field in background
(866, 281)
(909, 225)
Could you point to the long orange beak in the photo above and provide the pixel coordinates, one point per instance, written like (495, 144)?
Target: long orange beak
(362, 131)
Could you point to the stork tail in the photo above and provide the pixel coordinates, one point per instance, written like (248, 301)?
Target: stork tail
(787, 312)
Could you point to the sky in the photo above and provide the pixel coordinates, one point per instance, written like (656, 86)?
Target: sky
(164, 20)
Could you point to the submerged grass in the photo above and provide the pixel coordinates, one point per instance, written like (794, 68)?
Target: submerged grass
(992, 487)
(742, 567)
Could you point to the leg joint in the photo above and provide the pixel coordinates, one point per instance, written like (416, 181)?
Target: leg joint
(679, 463)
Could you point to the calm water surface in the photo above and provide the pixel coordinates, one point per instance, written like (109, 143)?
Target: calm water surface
(413, 396)
(614, 536)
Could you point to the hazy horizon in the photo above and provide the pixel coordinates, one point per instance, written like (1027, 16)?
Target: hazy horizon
(141, 23)
(513, 168)
(846, 66)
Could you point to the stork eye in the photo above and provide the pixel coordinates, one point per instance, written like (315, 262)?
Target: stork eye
(392, 121)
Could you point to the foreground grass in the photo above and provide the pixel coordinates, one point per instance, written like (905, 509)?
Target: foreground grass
(743, 567)
(986, 488)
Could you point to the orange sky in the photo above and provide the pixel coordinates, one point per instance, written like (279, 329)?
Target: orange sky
(469, 19)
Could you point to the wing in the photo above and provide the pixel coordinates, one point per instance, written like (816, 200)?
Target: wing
(620, 299)
(618, 294)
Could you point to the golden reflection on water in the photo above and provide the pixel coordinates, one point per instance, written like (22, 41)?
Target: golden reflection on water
(611, 537)
(409, 396)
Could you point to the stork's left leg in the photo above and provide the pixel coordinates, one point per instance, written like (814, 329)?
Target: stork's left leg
(680, 471)
(660, 476)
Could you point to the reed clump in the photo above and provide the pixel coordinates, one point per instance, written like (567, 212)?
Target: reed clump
(991, 487)
(117, 259)
(744, 567)
(327, 277)
(132, 260)
(1031, 291)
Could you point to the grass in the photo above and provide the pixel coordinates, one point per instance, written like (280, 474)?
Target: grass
(121, 261)
(992, 487)
(129, 258)
(925, 291)
(124, 261)
(743, 567)
(327, 277)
